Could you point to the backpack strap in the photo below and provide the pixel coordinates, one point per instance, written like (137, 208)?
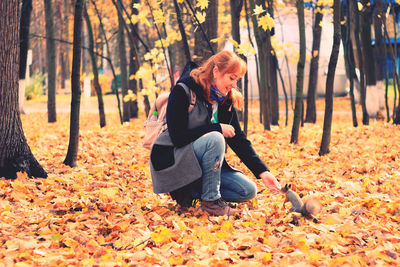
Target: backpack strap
(191, 93)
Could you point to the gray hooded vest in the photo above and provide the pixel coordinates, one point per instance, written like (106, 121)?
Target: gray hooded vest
(184, 167)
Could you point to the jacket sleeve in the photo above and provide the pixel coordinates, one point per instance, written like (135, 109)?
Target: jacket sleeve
(177, 119)
(243, 147)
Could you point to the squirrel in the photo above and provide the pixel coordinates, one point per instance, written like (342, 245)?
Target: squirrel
(309, 209)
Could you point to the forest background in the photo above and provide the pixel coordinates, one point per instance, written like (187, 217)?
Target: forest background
(96, 206)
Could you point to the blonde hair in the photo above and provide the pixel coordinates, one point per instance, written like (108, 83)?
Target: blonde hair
(226, 62)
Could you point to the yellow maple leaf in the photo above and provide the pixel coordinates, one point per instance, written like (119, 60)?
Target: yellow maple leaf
(159, 17)
(267, 258)
(360, 6)
(222, 235)
(108, 193)
(314, 256)
(266, 22)
(216, 40)
(201, 16)
(177, 260)
(280, 4)
(202, 4)
(258, 10)
(246, 49)
(130, 96)
(161, 235)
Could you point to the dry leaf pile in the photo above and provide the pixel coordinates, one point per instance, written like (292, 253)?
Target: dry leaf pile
(104, 213)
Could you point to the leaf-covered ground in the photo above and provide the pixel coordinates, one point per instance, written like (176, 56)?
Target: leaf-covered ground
(104, 212)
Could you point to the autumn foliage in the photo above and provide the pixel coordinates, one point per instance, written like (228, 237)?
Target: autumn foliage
(104, 213)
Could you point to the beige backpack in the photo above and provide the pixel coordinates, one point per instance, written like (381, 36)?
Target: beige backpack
(156, 122)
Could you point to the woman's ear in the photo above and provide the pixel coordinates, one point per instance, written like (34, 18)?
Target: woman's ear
(215, 71)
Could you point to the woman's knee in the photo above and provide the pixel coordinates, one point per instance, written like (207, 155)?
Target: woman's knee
(237, 187)
(215, 140)
(250, 190)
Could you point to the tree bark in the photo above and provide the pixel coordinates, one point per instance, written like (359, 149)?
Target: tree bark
(15, 154)
(72, 154)
(64, 61)
(134, 63)
(258, 71)
(182, 31)
(264, 55)
(274, 90)
(51, 62)
(109, 60)
(379, 45)
(123, 68)
(25, 19)
(349, 59)
(300, 74)
(96, 84)
(326, 134)
(363, 92)
(272, 68)
(236, 8)
(24, 36)
(368, 54)
(201, 48)
(311, 112)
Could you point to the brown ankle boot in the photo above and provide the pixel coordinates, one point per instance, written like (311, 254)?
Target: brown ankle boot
(215, 207)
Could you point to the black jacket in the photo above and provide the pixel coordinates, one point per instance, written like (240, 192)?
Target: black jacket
(177, 120)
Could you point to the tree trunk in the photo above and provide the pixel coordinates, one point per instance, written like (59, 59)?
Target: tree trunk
(24, 46)
(65, 48)
(363, 91)
(300, 74)
(349, 58)
(264, 55)
(248, 13)
(24, 36)
(72, 154)
(326, 134)
(396, 111)
(311, 113)
(272, 68)
(201, 48)
(15, 154)
(109, 59)
(96, 83)
(51, 62)
(236, 8)
(379, 51)
(123, 67)
(182, 31)
(368, 54)
(134, 63)
(274, 89)
(246, 102)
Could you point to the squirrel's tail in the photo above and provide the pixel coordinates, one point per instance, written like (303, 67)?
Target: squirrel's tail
(312, 206)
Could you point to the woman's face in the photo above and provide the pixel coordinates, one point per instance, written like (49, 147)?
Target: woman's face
(225, 82)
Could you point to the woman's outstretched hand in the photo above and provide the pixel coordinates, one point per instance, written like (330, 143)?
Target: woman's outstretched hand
(270, 181)
(227, 130)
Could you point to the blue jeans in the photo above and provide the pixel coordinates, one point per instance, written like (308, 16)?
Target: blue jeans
(231, 185)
